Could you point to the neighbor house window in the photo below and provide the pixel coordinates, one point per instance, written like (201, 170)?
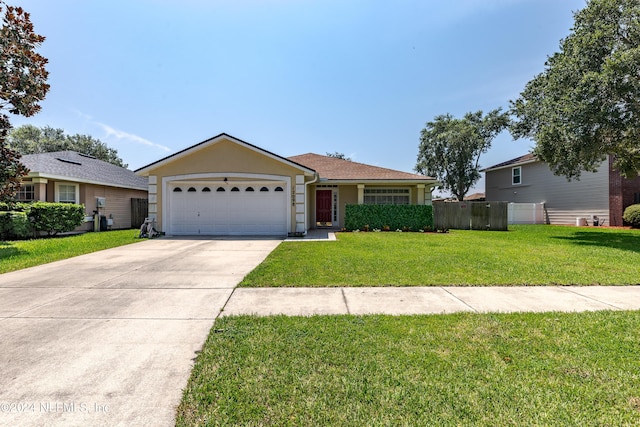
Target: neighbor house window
(387, 196)
(26, 193)
(516, 175)
(67, 193)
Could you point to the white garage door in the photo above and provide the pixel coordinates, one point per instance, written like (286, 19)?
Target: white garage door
(228, 209)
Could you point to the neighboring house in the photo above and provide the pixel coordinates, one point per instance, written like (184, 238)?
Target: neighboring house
(71, 177)
(226, 186)
(526, 179)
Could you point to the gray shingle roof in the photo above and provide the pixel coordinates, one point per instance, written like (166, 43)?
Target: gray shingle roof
(73, 166)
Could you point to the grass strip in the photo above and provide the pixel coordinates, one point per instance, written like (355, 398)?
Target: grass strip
(15, 255)
(448, 370)
(525, 255)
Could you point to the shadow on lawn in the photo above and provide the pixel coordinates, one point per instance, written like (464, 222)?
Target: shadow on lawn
(7, 249)
(615, 240)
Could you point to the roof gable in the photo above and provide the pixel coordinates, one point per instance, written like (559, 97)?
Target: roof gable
(146, 170)
(335, 169)
(77, 167)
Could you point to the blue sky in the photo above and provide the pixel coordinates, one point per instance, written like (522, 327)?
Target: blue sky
(361, 77)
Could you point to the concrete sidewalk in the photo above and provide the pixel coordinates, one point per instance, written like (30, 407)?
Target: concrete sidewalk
(429, 300)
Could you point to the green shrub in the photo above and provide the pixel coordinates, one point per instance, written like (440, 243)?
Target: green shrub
(388, 217)
(13, 206)
(54, 218)
(14, 225)
(632, 215)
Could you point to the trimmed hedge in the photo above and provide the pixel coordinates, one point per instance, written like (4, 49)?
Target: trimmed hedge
(14, 225)
(13, 207)
(19, 220)
(391, 217)
(632, 215)
(54, 218)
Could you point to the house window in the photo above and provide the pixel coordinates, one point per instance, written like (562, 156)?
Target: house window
(177, 190)
(26, 193)
(67, 193)
(516, 175)
(249, 189)
(221, 190)
(387, 196)
(206, 190)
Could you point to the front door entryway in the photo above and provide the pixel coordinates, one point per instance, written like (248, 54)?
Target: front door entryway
(324, 204)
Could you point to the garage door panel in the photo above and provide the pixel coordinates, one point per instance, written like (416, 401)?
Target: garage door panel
(259, 212)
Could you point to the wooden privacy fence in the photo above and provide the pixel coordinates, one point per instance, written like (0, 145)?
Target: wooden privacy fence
(139, 211)
(470, 215)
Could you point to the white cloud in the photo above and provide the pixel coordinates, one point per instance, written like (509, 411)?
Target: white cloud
(121, 135)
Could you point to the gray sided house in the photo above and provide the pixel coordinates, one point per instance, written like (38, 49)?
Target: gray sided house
(71, 177)
(525, 179)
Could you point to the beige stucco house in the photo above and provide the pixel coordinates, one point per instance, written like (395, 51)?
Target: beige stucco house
(226, 186)
(72, 177)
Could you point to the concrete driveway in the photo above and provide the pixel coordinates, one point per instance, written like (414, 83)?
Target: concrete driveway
(109, 338)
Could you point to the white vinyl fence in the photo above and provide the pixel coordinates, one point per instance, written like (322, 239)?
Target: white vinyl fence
(526, 213)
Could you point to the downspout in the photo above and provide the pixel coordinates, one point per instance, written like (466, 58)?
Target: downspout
(315, 179)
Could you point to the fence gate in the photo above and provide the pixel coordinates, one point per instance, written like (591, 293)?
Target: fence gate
(139, 211)
(470, 215)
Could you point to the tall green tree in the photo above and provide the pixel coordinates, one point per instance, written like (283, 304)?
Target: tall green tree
(29, 139)
(586, 103)
(23, 84)
(450, 148)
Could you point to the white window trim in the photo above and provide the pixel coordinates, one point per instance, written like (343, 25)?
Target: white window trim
(519, 168)
(57, 191)
(22, 192)
(389, 191)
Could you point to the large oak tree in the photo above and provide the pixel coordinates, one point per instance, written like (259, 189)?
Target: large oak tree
(450, 148)
(23, 84)
(585, 105)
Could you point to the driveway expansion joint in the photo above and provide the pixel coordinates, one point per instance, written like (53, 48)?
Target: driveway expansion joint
(466, 304)
(344, 298)
(599, 301)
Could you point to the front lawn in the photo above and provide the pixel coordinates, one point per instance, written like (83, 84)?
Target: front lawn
(446, 370)
(525, 255)
(19, 254)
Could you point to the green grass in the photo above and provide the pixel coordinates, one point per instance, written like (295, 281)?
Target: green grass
(446, 370)
(525, 255)
(19, 254)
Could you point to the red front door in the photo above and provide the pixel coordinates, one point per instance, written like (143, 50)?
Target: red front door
(323, 206)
